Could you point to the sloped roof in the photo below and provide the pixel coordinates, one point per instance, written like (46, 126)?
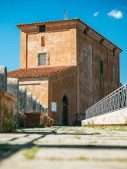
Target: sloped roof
(38, 72)
(40, 23)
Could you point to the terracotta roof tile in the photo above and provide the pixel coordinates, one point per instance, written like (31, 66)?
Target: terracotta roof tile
(38, 72)
(39, 23)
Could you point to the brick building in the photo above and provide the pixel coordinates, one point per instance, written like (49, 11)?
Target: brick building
(67, 65)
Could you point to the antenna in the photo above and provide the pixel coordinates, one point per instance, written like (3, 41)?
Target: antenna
(65, 15)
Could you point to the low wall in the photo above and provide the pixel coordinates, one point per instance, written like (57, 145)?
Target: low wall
(113, 118)
(32, 119)
(7, 100)
(37, 120)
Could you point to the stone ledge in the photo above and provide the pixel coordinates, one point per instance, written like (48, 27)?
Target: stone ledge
(118, 117)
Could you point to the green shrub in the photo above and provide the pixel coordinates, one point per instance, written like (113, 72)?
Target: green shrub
(7, 124)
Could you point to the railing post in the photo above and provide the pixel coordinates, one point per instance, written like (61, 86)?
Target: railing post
(126, 96)
(112, 102)
(3, 79)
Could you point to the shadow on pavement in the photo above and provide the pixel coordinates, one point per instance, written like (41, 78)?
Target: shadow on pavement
(6, 150)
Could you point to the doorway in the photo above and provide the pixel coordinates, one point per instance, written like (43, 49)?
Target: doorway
(65, 110)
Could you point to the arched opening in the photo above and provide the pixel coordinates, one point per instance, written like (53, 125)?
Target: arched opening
(64, 110)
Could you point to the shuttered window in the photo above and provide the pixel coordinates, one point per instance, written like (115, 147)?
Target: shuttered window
(42, 59)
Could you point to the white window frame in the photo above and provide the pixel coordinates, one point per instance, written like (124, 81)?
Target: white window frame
(47, 59)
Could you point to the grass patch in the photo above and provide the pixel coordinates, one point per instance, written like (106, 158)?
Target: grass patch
(77, 137)
(7, 124)
(81, 158)
(30, 153)
(64, 159)
(109, 127)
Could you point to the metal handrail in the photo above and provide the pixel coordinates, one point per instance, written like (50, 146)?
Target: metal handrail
(114, 101)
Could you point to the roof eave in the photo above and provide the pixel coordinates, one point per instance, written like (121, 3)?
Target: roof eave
(75, 19)
(120, 50)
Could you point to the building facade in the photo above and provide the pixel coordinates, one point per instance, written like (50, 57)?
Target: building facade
(68, 66)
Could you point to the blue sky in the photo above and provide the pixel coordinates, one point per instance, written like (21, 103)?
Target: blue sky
(108, 17)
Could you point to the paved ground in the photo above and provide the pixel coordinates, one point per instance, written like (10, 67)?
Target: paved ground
(64, 148)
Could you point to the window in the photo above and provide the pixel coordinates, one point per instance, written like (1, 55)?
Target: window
(101, 67)
(86, 31)
(42, 41)
(42, 28)
(42, 59)
(114, 51)
(101, 41)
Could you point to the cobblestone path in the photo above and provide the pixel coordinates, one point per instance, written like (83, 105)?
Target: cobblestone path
(64, 148)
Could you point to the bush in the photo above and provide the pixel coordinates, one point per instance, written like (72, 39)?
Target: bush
(7, 124)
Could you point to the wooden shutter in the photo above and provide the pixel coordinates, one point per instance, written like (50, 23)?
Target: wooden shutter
(42, 59)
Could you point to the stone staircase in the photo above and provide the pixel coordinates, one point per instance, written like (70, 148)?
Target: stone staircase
(25, 101)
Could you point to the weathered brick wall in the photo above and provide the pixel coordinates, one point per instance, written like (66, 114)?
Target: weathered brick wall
(13, 89)
(17, 99)
(38, 87)
(72, 43)
(63, 84)
(92, 86)
(28, 102)
(59, 44)
(7, 101)
(85, 74)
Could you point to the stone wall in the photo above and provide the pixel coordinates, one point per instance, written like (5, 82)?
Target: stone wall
(13, 89)
(54, 44)
(24, 101)
(118, 117)
(38, 87)
(94, 81)
(7, 101)
(3, 79)
(28, 103)
(63, 84)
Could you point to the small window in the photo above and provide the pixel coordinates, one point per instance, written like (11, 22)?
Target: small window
(101, 41)
(42, 41)
(86, 31)
(42, 59)
(42, 28)
(114, 51)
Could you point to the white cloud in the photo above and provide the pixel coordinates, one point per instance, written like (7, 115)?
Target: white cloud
(117, 14)
(96, 13)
